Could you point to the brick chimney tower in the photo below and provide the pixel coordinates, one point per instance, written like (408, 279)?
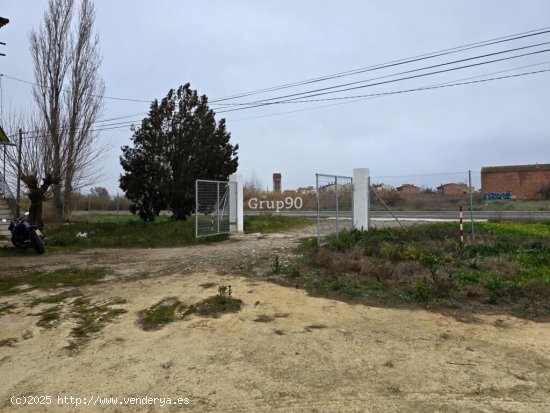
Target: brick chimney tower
(277, 183)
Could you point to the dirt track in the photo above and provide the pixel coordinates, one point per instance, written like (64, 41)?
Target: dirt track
(315, 355)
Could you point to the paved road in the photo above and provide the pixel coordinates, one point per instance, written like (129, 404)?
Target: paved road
(419, 215)
(413, 215)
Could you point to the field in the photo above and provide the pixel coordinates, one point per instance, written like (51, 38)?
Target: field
(387, 321)
(506, 268)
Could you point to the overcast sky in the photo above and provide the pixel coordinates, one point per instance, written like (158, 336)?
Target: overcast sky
(228, 47)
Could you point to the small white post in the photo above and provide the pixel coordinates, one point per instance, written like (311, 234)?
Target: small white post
(236, 203)
(361, 198)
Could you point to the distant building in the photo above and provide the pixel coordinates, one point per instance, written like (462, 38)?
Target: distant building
(409, 189)
(521, 181)
(333, 187)
(452, 189)
(306, 190)
(383, 187)
(277, 183)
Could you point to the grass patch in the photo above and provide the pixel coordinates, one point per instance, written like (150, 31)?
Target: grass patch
(50, 317)
(103, 231)
(164, 312)
(53, 299)
(128, 234)
(507, 267)
(266, 223)
(112, 218)
(172, 309)
(339, 285)
(92, 317)
(47, 280)
(216, 305)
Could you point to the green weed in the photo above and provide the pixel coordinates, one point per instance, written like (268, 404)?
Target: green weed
(422, 290)
(160, 314)
(276, 265)
(92, 317)
(172, 309)
(48, 280)
(266, 223)
(508, 264)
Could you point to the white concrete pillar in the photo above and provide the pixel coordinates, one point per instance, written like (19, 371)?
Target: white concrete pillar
(361, 198)
(236, 199)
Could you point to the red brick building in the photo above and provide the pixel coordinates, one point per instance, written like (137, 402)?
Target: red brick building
(452, 189)
(408, 189)
(522, 181)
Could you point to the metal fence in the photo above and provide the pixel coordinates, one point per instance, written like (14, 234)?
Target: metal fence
(409, 197)
(214, 201)
(334, 205)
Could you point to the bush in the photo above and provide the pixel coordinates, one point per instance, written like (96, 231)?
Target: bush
(509, 261)
(422, 290)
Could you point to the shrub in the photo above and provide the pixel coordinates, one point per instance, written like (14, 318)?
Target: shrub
(422, 290)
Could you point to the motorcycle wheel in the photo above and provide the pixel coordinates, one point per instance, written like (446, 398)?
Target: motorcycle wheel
(38, 245)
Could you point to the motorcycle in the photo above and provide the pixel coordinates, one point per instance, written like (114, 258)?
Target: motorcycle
(25, 235)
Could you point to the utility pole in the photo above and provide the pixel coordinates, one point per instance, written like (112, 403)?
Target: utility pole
(17, 208)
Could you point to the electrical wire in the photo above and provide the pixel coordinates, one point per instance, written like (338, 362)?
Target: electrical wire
(391, 75)
(297, 99)
(69, 91)
(104, 124)
(425, 56)
(375, 97)
(455, 83)
(431, 55)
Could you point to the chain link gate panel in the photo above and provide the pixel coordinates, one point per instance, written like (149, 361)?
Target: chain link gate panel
(214, 201)
(334, 205)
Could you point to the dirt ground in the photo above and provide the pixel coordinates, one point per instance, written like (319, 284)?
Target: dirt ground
(308, 355)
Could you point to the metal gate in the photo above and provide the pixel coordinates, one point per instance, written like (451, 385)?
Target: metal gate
(215, 207)
(334, 205)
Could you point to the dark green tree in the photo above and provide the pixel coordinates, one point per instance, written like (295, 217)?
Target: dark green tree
(177, 143)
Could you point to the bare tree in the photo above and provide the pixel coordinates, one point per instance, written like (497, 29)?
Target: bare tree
(68, 93)
(253, 186)
(36, 163)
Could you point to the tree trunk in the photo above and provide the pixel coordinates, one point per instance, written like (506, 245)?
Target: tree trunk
(35, 210)
(37, 195)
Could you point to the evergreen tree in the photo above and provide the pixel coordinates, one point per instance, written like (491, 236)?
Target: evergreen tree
(177, 143)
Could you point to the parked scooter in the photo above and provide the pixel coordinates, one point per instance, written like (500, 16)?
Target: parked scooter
(25, 235)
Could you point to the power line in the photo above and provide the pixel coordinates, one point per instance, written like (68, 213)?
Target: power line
(103, 125)
(460, 82)
(69, 91)
(123, 117)
(391, 75)
(424, 88)
(375, 97)
(431, 55)
(257, 103)
(297, 99)
(97, 128)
